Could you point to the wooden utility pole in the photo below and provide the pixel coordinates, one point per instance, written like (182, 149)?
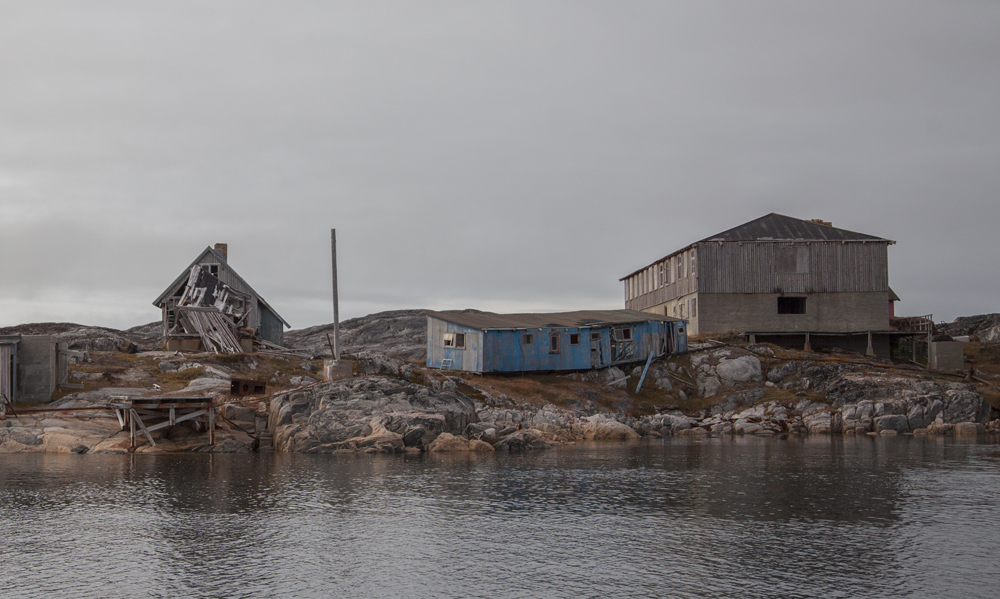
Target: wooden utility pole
(336, 304)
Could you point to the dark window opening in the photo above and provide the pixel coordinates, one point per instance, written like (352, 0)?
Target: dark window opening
(574, 338)
(791, 305)
(213, 269)
(456, 340)
(627, 334)
(554, 344)
(595, 336)
(529, 339)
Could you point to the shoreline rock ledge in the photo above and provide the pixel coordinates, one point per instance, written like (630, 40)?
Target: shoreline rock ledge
(367, 414)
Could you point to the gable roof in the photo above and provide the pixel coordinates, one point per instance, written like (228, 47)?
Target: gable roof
(778, 227)
(210, 251)
(775, 227)
(578, 319)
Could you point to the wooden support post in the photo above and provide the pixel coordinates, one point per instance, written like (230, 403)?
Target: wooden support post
(142, 427)
(753, 339)
(172, 418)
(870, 351)
(808, 346)
(131, 428)
(211, 426)
(336, 303)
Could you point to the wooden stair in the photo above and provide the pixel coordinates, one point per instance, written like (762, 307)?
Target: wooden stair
(265, 443)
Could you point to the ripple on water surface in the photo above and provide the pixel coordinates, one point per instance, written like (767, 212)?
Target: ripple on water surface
(750, 517)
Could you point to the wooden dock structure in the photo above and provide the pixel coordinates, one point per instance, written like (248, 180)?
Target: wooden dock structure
(132, 410)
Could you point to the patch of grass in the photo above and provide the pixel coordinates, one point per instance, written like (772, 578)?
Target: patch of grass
(984, 356)
(471, 391)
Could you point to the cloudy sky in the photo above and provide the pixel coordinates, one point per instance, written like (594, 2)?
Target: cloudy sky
(506, 156)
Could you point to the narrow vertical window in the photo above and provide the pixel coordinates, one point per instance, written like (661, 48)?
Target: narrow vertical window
(554, 343)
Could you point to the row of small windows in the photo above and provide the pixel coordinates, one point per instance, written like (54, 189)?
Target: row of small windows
(661, 274)
(684, 309)
(457, 340)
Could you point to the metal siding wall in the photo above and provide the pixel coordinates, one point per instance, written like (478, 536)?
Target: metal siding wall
(271, 328)
(468, 359)
(833, 267)
(505, 351)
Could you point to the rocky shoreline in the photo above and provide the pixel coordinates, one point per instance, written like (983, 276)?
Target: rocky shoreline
(393, 406)
(382, 413)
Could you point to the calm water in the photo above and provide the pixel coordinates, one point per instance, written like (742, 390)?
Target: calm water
(901, 517)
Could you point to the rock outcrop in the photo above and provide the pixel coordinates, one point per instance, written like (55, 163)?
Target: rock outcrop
(400, 333)
(370, 414)
(80, 337)
(984, 327)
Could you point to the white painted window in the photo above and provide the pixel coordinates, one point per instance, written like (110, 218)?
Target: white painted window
(694, 264)
(455, 340)
(694, 307)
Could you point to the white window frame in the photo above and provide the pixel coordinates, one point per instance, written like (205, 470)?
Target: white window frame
(454, 340)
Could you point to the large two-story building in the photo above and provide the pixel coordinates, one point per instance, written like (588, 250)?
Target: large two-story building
(779, 278)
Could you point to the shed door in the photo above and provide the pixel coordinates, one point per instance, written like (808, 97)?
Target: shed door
(6, 373)
(595, 351)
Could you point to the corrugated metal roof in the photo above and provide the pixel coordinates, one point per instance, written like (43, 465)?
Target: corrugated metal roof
(778, 227)
(578, 319)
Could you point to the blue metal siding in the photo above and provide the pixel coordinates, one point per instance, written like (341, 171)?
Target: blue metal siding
(469, 358)
(505, 350)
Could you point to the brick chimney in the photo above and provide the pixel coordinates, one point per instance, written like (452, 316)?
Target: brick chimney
(223, 248)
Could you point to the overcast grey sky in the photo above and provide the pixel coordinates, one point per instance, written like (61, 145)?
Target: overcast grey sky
(507, 156)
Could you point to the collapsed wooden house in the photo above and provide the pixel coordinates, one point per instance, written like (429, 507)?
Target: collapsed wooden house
(209, 307)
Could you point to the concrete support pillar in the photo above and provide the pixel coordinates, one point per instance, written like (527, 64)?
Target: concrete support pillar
(753, 338)
(870, 351)
(808, 346)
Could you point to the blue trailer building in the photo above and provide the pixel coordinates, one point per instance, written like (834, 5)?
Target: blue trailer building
(486, 342)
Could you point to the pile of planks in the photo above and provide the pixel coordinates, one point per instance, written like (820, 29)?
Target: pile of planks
(266, 347)
(215, 330)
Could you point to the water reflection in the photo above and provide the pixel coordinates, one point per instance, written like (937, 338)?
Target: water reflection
(755, 517)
